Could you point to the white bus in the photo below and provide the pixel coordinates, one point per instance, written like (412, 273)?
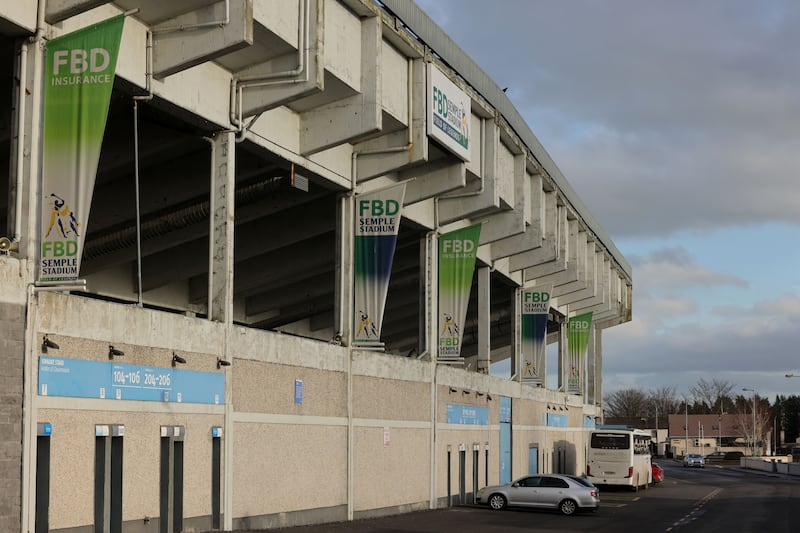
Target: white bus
(619, 456)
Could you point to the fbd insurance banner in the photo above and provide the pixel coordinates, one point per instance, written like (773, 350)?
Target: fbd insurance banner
(578, 329)
(79, 76)
(377, 222)
(457, 252)
(535, 309)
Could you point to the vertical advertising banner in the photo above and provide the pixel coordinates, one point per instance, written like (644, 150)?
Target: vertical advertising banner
(578, 329)
(535, 308)
(457, 252)
(377, 222)
(79, 76)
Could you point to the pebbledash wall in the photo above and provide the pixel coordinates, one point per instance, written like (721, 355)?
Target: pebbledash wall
(298, 413)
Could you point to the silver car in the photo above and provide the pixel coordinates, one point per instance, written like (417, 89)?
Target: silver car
(693, 459)
(566, 493)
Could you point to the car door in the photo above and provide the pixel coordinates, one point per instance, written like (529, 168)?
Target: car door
(524, 492)
(551, 491)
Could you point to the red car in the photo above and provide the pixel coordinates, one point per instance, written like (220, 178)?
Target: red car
(658, 473)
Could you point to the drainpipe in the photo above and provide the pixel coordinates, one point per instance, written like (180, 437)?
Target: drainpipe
(21, 104)
(21, 116)
(275, 78)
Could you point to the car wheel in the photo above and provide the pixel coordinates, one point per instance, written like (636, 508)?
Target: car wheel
(568, 507)
(497, 501)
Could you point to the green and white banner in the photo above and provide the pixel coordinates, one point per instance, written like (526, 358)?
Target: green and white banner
(79, 75)
(457, 252)
(377, 222)
(535, 308)
(578, 329)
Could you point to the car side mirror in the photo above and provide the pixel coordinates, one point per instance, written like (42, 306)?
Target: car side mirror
(515, 485)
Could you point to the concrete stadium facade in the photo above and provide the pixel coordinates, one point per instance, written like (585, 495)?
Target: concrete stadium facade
(219, 250)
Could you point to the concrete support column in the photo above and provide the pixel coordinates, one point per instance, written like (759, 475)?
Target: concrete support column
(484, 319)
(220, 284)
(591, 367)
(223, 188)
(343, 318)
(563, 364)
(598, 351)
(516, 338)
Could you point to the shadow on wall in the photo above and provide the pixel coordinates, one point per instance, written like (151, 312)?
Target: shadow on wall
(563, 460)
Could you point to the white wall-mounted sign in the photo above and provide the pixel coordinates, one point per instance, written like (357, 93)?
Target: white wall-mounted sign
(449, 113)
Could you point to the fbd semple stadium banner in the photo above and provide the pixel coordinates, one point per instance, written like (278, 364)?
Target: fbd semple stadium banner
(578, 329)
(535, 310)
(377, 222)
(79, 75)
(457, 252)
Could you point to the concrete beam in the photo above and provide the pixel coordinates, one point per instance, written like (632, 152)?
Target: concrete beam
(350, 119)
(550, 249)
(58, 10)
(563, 245)
(558, 270)
(438, 177)
(548, 226)
(176, 50)
(279, 80)
(595, 293)
(508, 223)
(379, 163)
(531, 237)
(465, 204)
(223, 194)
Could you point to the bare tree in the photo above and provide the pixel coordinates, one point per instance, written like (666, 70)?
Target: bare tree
(663, 401)
(763, 422)
(711, 392)
(626, 403)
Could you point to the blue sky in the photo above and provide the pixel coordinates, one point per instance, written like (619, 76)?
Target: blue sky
(676, 122)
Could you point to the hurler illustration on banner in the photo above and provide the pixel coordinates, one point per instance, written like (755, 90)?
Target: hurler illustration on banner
(80, 69)
(457, 252)
(534, 312)
(377, 222)
(578, 329)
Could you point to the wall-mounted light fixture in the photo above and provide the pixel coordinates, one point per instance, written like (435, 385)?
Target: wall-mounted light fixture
(114, 352)
(453, 389)
(177, 359)
(47, 343)
(489, 397)
(479, 394)
(465, 392)
(222, 362)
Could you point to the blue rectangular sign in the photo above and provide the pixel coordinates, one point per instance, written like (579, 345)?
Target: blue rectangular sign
(298, 391)
(80, 378)
(467, 414)
(558, 421)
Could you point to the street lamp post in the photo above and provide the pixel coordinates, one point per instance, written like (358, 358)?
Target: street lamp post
(686, 426)
(754, 419)
(656, 408)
